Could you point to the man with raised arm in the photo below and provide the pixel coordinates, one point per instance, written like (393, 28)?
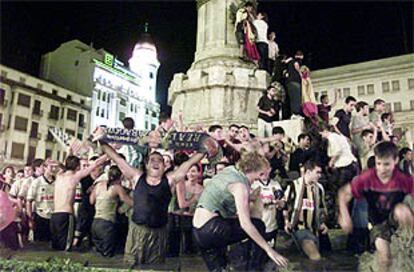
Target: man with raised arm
(62, 223)
(147, 233)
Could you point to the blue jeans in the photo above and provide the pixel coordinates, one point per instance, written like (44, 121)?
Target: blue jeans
(360, 213)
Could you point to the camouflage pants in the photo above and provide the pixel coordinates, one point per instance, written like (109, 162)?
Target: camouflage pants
(145, 245)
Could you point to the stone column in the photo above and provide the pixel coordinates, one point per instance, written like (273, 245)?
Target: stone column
(219, 88)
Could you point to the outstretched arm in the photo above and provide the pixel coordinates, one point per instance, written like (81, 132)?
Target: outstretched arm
(241, 197)
(179, 174)
(127, 170)
(85, 172)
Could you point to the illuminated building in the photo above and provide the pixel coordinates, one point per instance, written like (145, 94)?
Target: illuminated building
(391, 79)
(116, 91)
(29, 106)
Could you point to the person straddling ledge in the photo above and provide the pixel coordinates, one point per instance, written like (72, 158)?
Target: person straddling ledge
(62, 222)
(384, 188)
(307, 210)
(222, 215)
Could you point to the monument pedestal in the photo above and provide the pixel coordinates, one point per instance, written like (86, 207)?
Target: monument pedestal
(219, 88)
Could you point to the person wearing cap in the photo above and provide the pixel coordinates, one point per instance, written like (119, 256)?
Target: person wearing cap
(40, 196)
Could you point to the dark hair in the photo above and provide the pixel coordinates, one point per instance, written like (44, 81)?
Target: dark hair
(311, 164)
(243, 126)
(365, 132)
(384, 116)
(128, 123)
(114, 174)
(163, 117)
(7, 167)
(214, 128)
(403, 152)
(180, 158)
(146, 159)
(264, 14)
(20, 171)
(378, 101)
(350, 99)
(278, 130)
(234, 125)
(37, 163)
(299, 53)
(72, 162)
(249, 4)
(323, 97)
(197, 166)
(302, 136)
(371, 162)
(360, 105)
(386, 150)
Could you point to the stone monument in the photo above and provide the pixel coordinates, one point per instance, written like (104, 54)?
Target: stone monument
(219, 88)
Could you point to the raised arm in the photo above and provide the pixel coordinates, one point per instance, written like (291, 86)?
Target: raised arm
(344, 197)
(85, 172)
(241, 197)
(127, 170)
(179, 174)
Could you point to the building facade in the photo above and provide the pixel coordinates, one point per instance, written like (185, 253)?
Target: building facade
(116, 91)
(391, 79)
(28, 108)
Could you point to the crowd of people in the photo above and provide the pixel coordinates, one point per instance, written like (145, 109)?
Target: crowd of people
(149, 202)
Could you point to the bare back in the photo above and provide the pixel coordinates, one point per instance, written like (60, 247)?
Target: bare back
(65, 186)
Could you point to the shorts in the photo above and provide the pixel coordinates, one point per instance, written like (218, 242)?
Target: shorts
(62, 228)
(384, 231)
(240, 34)
(304, 234)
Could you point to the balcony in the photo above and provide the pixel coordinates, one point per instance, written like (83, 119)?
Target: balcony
(38, 113)
(35, 136)
(53, 116)
(4, 103)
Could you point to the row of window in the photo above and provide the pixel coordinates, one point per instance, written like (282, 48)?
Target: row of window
(17, 152)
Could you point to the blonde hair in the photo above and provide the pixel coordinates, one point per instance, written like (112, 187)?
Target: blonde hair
(252, 162)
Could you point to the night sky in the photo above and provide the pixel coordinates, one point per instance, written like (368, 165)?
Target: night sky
(330, 33)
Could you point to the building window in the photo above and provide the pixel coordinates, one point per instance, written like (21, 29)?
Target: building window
(34, 130)
(23, 100)
(17, 151)
(3, 73)
(109, 98)
(76, 62)
(36, 107)
(387, 107)
(54, 112)
(32, 154)
(395, 85)
(22, 79)
(50, 137)
(123, 102)
(39, 86)
(103, 113)
(20, 123)
(79, 136)
(58, 155)
(2, 96)
(132, 107)
(71, 115)
(346, 92)
(151, 75)
(81, 121)
(82, 102)
(99, 94)
(54, 92)
(370, 89)
(411, 104)
(97, 111)
(121, 116)
(146, 124)
(397, 107)
(70, 132)
(324, 93)
(69, 97)
(62, 113)
(411, 83)
(104, 96)
(154, 114)
(385, 87)
(153, 126)
(48, 153)
(146, 112)
(361, 90)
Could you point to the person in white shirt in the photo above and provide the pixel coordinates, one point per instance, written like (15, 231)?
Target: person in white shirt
(273, 51)
(261, 40)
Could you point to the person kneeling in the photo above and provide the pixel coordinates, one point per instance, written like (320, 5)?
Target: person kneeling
(306, 210)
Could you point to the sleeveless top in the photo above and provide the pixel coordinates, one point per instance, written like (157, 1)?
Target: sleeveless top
(105, 206)
(151, 203)
(217, 198)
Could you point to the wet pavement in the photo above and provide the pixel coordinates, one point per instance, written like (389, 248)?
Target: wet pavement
(337, 260)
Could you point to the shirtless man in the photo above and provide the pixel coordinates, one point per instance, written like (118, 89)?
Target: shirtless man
(62, 222)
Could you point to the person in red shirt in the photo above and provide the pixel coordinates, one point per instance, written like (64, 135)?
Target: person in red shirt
(384, 187)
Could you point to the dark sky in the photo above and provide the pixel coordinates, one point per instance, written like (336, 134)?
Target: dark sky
(330, 33)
